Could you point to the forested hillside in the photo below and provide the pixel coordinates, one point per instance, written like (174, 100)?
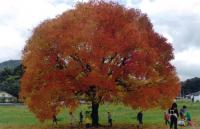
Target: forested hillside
(190, 86)
(10, 74)
(11, 64)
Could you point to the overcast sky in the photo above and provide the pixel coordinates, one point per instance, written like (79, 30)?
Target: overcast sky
(177, 20)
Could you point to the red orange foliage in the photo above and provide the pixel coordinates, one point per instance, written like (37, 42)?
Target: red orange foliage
(98, 52)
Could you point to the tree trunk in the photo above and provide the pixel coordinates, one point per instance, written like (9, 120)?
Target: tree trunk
(95, 114)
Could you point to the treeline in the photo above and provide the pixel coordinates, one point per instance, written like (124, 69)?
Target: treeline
(10, 64)
(9, 79)
(190, 86)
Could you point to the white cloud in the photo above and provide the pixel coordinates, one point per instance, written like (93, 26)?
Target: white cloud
(18, 18)
(188, 64)
(178, 18)
(189, 56)
(170, 6)
(179, 22)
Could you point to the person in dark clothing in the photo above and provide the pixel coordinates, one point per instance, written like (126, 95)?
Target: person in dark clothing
(81, 118)
(173, 111)
(182, 112)
(193, 99)
(139, 118)
(55, 119)
(109, 119)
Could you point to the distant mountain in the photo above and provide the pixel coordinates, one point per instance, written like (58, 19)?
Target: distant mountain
(11, 64)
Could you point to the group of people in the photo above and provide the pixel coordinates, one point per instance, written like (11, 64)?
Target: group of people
(87, 120)
(171, 117)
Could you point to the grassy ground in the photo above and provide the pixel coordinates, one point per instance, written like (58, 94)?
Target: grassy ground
(19, 117)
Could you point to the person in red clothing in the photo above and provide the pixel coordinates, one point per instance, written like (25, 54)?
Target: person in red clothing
(167, 118)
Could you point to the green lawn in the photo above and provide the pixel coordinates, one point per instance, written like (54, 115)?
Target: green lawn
(21, 116)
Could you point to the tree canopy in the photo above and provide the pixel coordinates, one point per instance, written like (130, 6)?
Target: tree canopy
(99, 52)
(190, 86)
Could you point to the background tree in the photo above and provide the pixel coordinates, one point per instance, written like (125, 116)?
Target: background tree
(10, 74)
(99, 52)
(190, 86)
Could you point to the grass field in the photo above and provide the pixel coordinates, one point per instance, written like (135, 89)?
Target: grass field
(19, 117)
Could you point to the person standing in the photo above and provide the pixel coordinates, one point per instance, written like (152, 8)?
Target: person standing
(88, 120)
(192, 99)
(109, 119)
(166, 118)
(72, 118)
(81, 118)
(54, 119)
(140, 119)
(173, 111)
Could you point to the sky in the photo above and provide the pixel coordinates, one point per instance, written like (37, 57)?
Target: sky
(177, 20)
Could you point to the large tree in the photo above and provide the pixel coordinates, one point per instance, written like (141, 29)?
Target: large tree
(97, 52)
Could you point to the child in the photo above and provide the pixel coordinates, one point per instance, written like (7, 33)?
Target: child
(72, 118)
(139, 118)
(88, 120)
(109, 119)
(188, 118)
(55, 119)
(166, 118)
(81, 118)
(181, 122)
(182, 112)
